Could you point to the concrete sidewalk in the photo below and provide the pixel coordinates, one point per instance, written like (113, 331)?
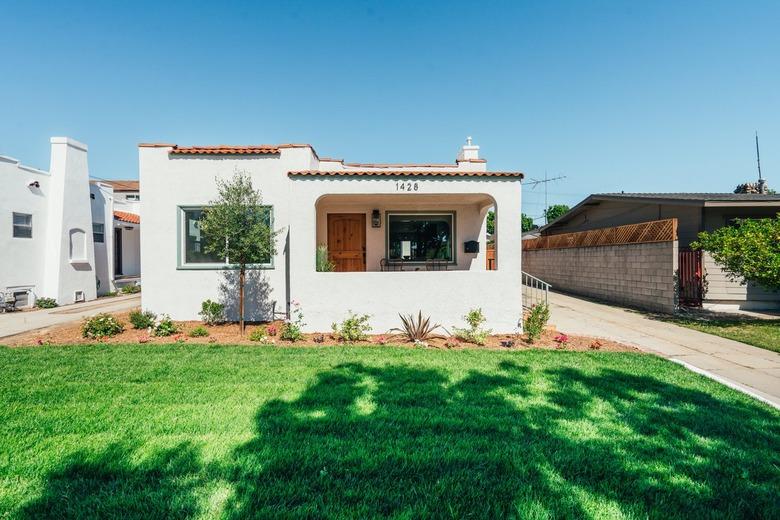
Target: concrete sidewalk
(17, 322)
(744, 367)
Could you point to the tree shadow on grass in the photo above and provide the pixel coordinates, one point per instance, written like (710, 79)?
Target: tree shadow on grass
(402, 441)
(108, 484)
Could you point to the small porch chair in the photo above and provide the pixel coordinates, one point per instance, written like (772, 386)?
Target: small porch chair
(391, 265)
(436, 264)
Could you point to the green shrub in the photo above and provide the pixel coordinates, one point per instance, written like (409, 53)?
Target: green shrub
(536, 321)
(130, 289)
(475, 333)
(165, 326)
(323, 263)
(292, 330)
(199, 332)
(45, 303)
(142, 319)
(103, 325)
(212, 312)
(353, 328)
(748, 251)
(258, 334)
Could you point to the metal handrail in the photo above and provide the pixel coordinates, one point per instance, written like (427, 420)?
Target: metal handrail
(534, 290)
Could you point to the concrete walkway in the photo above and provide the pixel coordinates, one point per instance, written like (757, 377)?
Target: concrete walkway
(749, 369)
(17, 322)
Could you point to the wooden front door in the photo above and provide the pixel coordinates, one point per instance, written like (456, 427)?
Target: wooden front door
(347, 241)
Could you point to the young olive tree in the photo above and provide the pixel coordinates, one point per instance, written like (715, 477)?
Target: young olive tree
(239, 229)
(749, 251)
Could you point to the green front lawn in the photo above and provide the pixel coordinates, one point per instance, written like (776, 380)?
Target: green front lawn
(153, 431)
(759, 333)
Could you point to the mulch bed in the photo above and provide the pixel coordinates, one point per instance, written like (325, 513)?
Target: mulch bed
(70, 334)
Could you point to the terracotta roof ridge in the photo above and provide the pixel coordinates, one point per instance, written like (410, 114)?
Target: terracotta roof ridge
(431, 173)
(400, 165)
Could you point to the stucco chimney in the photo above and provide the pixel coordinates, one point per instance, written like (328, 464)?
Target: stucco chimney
(70, 254)
(469, 151)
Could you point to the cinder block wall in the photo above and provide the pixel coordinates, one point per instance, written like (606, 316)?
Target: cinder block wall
(633, 275)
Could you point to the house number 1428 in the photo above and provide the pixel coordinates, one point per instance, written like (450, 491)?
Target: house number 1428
(406, 186)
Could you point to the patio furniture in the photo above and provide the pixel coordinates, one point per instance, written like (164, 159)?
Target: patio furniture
(436, 264)
(391, 265)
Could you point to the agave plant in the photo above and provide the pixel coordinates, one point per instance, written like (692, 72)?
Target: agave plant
(416, 330)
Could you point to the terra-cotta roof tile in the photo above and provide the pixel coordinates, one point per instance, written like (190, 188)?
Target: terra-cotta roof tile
(124, 216)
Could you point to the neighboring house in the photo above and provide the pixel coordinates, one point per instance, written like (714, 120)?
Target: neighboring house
(404, 238)
(118, 245)
(46, 245)
(54, 243)
(695, 212)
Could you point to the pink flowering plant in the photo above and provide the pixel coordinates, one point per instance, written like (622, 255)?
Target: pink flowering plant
(562, 340)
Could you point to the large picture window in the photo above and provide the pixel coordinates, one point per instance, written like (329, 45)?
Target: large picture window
(420, 237)
(194, 241)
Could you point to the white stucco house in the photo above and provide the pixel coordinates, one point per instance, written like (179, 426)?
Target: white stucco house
(56, 229)
(118, 244)
(404, 237)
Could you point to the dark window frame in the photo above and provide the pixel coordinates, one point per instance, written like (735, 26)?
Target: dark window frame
(17, 227)
(101, 233)
(422, 213)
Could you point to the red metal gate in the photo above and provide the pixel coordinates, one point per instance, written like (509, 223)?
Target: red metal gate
(690, 278)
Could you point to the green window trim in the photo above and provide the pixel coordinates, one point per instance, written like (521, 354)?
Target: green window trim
(182, 265)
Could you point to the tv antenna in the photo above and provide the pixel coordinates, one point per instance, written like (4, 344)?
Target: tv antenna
(758, 159)
(535, 182)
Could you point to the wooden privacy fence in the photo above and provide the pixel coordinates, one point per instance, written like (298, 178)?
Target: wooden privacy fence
(645, 232)
(491, 257)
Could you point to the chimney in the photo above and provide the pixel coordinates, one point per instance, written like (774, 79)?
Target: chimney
(469, 151)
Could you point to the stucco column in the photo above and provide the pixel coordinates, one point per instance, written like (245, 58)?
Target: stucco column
(69, 265)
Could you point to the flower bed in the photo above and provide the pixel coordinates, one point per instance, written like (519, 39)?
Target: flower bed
(228, 334)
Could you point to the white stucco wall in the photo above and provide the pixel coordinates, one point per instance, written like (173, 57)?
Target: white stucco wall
(170, 181)
(103, 213)
(131, 250)
(21, 259)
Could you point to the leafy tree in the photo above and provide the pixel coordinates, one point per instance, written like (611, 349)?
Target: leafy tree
(239, 229)
(555, 211)
(528, 223)
(748, 251)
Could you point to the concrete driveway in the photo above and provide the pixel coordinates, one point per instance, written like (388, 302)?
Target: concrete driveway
(17, 322)
(749, 369)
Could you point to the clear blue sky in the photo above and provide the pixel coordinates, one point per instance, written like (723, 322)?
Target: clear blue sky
(651, 96)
